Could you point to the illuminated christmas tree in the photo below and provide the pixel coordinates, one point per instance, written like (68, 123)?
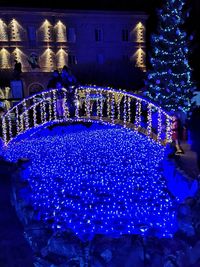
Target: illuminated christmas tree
(169, 81)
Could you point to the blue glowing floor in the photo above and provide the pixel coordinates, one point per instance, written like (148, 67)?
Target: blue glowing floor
(97, 180)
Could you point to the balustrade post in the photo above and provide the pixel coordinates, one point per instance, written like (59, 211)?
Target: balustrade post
(54, 105)
(159, 125)
(76, 103)
(125, 111)
(4, 129)
(113, 107)
(17, 120)
(149, 119)
(168, 129)
(129, 109)
(87, 100)
(138, 114)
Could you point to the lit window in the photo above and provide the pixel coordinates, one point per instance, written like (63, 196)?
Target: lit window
(71, 35)
(98, 35)
(125, 35)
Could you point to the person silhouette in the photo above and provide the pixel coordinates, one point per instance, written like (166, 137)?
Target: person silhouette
(17, 69)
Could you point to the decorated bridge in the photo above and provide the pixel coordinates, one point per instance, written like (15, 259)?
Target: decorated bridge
(91, 103)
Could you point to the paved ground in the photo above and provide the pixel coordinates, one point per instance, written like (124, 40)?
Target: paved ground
(14, 249)
(188, 161)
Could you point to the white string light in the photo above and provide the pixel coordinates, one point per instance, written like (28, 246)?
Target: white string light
(112, 97)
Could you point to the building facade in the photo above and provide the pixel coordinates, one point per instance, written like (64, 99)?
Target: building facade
(44, 40)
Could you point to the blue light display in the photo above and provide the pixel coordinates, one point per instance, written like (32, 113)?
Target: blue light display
(97, 180)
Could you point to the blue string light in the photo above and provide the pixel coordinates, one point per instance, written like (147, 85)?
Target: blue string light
(101, 180)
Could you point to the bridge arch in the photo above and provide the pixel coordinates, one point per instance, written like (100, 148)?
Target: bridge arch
(92, 103)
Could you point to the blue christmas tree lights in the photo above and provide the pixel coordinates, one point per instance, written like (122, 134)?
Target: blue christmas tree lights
(169, 81)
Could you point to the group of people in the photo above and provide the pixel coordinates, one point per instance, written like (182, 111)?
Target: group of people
(63, 81)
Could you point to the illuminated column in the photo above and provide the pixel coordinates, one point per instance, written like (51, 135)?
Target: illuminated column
(60, 31)
(15, 30)
(61, 58)
(139, 57)
(3, 31)
(46, 31)
(140, 33)
(48, 60)
(4, 59)
(20, 56)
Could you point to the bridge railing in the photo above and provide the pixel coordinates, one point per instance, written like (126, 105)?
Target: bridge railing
(90, 103)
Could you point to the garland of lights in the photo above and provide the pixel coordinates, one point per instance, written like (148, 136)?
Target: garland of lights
(138, 114)
(4, 128)
(149, 119)
(76, 104)
(46, 110)
(118, 107)
(112, 107)
(54, 105)
(159, 125)
(17, 120)
(125, 111)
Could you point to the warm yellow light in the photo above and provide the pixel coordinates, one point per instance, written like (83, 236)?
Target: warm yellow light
(48, 60)
(139, 32)
(60, 30)
(46, 31)
(4, 59)
(16, 31)
(61, 58)
(20, 56)
(139, 58)
(3, 31)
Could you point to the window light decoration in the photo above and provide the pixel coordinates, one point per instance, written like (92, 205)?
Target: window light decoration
(3, 31)
(4, 59)
(60, 32)
(46, 31)
(16, 31)
(61, 58)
